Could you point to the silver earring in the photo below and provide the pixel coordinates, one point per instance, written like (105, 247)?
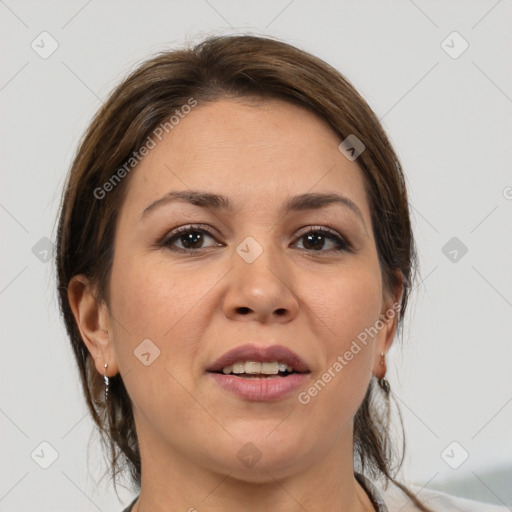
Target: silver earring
(105, 378)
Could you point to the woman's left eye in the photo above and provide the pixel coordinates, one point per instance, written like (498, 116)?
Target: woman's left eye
(317, 238)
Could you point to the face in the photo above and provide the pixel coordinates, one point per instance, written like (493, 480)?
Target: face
(280, 272)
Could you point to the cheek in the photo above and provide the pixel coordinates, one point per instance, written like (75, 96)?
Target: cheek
(158, 300)
(151, 294)
(345, 314)
(347, 303)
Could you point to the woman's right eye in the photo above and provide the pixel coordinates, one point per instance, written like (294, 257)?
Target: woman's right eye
(191, 239)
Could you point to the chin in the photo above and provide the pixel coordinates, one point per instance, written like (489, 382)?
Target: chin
(259, 457)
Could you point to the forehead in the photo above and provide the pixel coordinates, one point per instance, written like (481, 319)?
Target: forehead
(256, 152)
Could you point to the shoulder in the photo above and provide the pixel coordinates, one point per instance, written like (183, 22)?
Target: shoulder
(436, 500)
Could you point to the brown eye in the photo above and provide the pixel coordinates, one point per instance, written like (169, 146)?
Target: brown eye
(318, 239)
(188, 238)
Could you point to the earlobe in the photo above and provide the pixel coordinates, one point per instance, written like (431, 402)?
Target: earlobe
(91, 317)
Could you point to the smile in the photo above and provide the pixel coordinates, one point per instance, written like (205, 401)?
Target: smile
(258, 369)
(259, 373)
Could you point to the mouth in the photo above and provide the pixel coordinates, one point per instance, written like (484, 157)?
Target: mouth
(259, 373)
(258, 370)
(248, 360)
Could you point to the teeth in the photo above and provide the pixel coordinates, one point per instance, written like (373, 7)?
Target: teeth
(238, 368)
(255, 367)
(270, 368)
(252, 367)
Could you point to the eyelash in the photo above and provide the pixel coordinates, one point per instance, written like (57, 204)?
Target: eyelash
(343, 245)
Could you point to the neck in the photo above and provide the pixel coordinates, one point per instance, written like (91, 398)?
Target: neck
(174, 482)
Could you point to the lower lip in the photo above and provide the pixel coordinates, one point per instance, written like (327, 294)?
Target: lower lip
(265, 389)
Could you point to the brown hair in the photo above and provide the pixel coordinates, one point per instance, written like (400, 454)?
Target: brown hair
(240, 66)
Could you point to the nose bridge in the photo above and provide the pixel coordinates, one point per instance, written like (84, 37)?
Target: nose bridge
(260, 284)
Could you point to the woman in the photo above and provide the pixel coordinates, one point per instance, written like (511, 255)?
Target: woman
(234, 258)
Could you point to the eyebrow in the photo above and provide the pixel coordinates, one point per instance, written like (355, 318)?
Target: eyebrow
(302, 202)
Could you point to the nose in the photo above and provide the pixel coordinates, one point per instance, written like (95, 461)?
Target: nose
(261, 291)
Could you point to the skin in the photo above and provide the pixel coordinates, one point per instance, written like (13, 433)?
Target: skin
(196, 306)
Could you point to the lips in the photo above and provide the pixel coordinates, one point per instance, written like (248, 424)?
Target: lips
(260, 387)
(260, 354)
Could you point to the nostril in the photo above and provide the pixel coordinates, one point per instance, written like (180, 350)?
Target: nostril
(244, 310)
(280, 311)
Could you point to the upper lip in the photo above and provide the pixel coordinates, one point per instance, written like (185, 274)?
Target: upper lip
(262, 354)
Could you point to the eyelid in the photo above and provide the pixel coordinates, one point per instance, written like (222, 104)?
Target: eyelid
(325, 229)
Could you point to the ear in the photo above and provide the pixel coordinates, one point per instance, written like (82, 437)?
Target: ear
(92, 320)
(389, 323)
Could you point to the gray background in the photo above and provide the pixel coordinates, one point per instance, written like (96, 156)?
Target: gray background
(450, 120)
